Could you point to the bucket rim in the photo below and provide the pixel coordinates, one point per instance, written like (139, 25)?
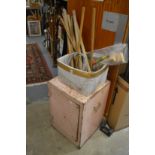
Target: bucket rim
(81, 73)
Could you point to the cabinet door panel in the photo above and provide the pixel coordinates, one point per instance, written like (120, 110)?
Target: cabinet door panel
(93, 112)
(65, 114)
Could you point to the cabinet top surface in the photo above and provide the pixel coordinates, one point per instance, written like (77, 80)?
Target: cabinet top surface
(72, 92)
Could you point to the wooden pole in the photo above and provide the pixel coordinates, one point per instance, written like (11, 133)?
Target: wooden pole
(77, 36)
(92, 35)
(81, 25)
(70, 25)
(82, 45)
(75, 26)
(66, 22)
(67, 31)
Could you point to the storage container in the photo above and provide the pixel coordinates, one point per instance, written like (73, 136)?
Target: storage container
(82, 81)
(74, 115)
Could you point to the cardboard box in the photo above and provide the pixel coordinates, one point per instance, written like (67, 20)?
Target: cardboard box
(74, 115)
(118, 117)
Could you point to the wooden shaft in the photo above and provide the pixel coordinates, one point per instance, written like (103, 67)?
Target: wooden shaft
(68, 41)
(77, 36)
(93, 34)
(82, 19)
(67, 31)
(70, 49)
(80, 36)
(66, 23)
(81, 25)
(70, 25)
(75, 27)
(69, 46)
(83, 49)
(66, 28)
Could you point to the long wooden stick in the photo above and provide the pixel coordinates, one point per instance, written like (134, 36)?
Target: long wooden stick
(82, 19)
(70, 50)
(84, 51)
(77, 36)
(92, 35)
(81, 24)
(80, 36)
(82, 46)
(75, 27)
(70, 25)
(67, 31)
(66, 22)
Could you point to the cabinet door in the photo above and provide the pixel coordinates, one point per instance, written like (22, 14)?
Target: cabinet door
(93, 113)
(65, 114)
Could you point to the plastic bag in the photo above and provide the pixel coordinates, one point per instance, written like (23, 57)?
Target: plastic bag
(115, 54)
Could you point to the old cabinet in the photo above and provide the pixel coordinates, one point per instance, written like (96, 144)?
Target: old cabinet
(74, 115)
(118, 117)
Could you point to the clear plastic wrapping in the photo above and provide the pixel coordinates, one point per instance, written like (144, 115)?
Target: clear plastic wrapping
(116, 54)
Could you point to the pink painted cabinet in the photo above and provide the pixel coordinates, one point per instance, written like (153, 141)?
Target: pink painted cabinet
(74, 115)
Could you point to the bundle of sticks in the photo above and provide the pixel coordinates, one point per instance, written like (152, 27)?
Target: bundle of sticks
(75, 41)
(83, 60)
